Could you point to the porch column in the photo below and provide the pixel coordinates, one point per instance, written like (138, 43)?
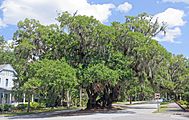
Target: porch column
(80, 96)
(3, 98)
(32, 98)
(24, 99)
(180, 97)
(10, 98)
(68, 98)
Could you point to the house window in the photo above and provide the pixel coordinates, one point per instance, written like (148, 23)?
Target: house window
(7, 82)
(7, 73)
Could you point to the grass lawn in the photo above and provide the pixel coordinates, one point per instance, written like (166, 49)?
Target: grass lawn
(128, 103)
(163, 107)
(44, 110)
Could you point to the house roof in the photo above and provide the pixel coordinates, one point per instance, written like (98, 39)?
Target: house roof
(7, 67)
(5, 89)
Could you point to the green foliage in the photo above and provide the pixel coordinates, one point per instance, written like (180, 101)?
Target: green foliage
(6, 107)
(34, 105)
(100, 74)
(6, 54)
(183, 102)
(164, 103)
(186, 96)
(21, 107)
(55, 73)
(83, 52)
(54, 76)
(144, 23)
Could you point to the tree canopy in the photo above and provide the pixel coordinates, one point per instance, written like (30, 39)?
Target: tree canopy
(113, 62)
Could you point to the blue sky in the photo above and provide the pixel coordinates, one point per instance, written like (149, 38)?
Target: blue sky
(174, 12)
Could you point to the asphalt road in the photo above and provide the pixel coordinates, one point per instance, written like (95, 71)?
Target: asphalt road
(133, 112)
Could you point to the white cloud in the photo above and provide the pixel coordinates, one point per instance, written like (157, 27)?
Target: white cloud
(125, 7)
(177, 1)
(157, 2)
(2, 24)
(8, 45)
(170, 36)
(174, 20)
(173, 17)
(9, 42)
(46, 10)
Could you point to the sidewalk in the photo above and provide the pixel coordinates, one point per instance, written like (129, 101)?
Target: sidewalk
(174, 109)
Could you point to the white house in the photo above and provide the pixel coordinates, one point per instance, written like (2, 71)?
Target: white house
(7, 75)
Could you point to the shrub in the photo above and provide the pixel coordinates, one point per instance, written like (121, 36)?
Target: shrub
(6, 107)
(183, 102)
(34, 105)
(186, 96)
(42, 105)
(1, 107)
(21, 106)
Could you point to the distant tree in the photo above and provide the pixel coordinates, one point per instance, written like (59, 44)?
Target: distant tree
(31, 87)
(56, 77)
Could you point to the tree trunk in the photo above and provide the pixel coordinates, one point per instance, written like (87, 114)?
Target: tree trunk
(89, 93)
(130, 99)
(180, 97)
(109, 95)
(89, 103)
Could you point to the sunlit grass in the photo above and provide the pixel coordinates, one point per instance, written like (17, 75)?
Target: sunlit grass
(163, 108)
(44, 110)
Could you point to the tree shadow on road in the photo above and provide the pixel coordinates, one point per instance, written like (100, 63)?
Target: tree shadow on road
(186, 115)
(75, 113)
